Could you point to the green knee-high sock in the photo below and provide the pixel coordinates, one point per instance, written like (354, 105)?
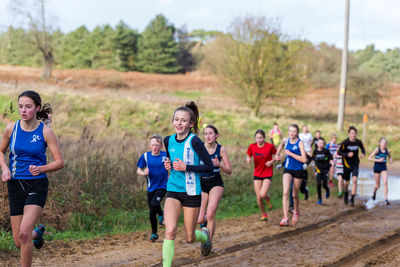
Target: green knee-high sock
(168, 252)
(200, 236)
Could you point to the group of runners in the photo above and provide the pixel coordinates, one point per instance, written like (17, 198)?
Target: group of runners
(187, 174)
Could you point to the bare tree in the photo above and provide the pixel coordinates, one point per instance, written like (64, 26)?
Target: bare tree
(34, 15)
(253, 58)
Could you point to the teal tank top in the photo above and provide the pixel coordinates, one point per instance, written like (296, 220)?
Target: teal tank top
(184, 181)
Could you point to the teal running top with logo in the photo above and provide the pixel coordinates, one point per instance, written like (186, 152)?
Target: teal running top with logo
(184, 181)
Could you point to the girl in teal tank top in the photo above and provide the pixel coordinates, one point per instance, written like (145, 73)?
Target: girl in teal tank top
(187, 160)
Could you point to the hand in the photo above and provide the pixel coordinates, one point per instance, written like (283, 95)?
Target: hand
(216, 162)
(381, 160)
(269, 163)
(287, 152)
(362, 156)
(350, 154)
(277, 158)
(248, 160)
(167, 164)
(391, 161)
(6, 175)
(35, 170)
(146, 171)
(179, 165)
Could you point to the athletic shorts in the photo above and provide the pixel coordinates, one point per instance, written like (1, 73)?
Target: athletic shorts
(22, 192)
(262, 178)
(298, 174)
(378, 168)
(207, 183)
(350, 172)
(185, 199)
(154, 198)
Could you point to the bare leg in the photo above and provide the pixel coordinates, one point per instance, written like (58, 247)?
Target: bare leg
(202, 213)
(354, 186)
(377, 177)
(31, 215)
(287, 179)
(172, 211)
(296, 188)
(260, 200)
(190, 216)
(265, 188)
(385, 183)
(215, 196)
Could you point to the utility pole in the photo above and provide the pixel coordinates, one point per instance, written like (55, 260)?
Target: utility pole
(343, 77)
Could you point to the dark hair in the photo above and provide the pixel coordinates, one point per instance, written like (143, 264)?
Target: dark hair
(352, 128)
(322, 140)
(193, 111)
(44, 111)
(317, 131)
(259, 131)
(212, 127)
(275, 124)
(294, 125)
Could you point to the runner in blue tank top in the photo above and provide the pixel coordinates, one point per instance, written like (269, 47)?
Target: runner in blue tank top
(189, 160)
(26, 178)
(294, 160)
(151, 165)
(380, 157)
(212, 185)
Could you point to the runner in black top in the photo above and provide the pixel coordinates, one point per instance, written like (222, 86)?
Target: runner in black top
(348, 149)
(323, 161)
(316, 138)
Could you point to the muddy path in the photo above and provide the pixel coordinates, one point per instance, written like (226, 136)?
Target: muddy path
(328, 235)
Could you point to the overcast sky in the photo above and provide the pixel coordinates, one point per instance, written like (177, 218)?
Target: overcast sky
(371, 21)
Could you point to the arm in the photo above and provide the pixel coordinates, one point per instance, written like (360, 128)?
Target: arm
(144, 172)
(198, 146)
(279, 150)
(141, 166)
(5, 142)
(362, 150)
(302, 157)
(271, 134)
(226, 166)
(390, 156)
(167, 162)
(341, 149)
(52, 144)
(372, 156)
(249, 155)
(271, 162)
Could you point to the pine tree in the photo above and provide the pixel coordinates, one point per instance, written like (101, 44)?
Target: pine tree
(157, 48)
(125, 42)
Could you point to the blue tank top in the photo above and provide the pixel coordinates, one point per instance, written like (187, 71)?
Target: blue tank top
(216, 154)
(184, 181)
(27, 148)
(381, 155)
(292, 163)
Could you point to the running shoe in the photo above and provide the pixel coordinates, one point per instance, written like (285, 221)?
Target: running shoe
(374, 196)
(269, 204)
(295, 218)
(340, 194)
(319, 202)
(352, 201)
(284, 222)
(206, 247)
(327, 194)
(264, 217)
(387, 202)
(153, 237)
(161, 221)
(331, 184)
(39, 240)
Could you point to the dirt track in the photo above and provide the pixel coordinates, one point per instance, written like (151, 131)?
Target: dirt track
(331, 235)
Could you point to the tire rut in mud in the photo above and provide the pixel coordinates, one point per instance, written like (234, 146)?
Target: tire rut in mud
(265, 239)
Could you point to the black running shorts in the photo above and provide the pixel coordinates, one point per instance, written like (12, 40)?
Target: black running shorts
(185, 199)
(298, 174)
(154, 198)
(350, 172)
(22, 192)
(207, 183)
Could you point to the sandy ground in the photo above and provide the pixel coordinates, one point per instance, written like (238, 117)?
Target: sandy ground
(328, 235)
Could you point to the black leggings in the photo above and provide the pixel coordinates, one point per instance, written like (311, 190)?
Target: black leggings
(154, 199)
(322, 179)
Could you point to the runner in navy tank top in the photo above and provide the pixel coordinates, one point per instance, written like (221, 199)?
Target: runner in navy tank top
(25, 175)
(212, 185)
(380, 157)
(294, 160)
